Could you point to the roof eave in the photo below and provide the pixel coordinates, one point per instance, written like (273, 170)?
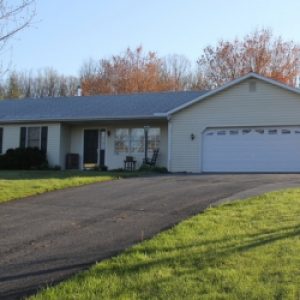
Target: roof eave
(66, 120)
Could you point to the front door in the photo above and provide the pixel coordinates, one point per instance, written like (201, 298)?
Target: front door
(91, 144)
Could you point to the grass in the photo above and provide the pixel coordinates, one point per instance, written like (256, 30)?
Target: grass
(20, 184)
(242, 250)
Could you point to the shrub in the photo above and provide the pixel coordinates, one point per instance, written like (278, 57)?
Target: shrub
(147, 168)
(23, 159)
(103, 168)
(56, 168)
(117, 170)
(160, 170)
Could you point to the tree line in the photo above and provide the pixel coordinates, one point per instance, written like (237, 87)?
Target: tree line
(44, 83)
(135, 70)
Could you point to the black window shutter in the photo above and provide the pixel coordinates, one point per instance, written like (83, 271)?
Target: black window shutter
(1, 140)
(22, 137)
(44, 139)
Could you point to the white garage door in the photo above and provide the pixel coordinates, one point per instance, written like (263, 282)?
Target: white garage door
(265, 149)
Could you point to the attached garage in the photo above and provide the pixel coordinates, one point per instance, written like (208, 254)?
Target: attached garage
(251, 124)
(252, 149)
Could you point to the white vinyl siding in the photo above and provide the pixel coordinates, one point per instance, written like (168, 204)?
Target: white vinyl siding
(268, 105)
(11, 140)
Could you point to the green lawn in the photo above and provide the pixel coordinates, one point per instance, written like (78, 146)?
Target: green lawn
(19, 184)
(243, 250)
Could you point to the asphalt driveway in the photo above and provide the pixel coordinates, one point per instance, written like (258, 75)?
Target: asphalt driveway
(44, 239)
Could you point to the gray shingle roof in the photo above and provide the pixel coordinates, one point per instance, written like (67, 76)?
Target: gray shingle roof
(94, 107)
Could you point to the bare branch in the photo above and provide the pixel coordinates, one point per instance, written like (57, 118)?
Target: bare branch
(14, 18)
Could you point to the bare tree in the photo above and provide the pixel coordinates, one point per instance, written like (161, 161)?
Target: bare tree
(177, 69)
(14, 17)
(44, 83)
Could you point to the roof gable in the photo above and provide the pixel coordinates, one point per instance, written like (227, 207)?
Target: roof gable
(231, 84)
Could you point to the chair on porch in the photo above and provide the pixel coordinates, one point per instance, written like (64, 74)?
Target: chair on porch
(129, 163)
(152, 162)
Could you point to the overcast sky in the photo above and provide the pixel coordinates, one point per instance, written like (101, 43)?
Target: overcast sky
(68, 32)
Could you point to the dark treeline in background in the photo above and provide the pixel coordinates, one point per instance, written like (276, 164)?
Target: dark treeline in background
(138, 71)
(44, 83)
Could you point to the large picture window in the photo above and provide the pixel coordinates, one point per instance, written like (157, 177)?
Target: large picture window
(133, 140)
(137, 140)
(122, 140)
(153, 139)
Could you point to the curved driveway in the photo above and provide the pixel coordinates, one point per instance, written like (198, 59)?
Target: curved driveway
(44, 239)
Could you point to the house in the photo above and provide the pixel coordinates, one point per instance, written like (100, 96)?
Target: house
(251, 124)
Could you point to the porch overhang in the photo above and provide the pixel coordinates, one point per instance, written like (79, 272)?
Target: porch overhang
(85, 120)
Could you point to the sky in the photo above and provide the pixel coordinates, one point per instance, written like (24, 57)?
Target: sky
(65, 33)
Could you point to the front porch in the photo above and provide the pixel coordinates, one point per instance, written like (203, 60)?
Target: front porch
(100, 144)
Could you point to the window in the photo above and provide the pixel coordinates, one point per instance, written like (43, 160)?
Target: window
(222, 132)
(246, 131)
(1, 140)
(153, 139)
(137, 140)
(133, 140)
(233, 132)
(33, 137)
(260, 131)
(122, 140)
(285, 131)
(272, 131)
(210, 133)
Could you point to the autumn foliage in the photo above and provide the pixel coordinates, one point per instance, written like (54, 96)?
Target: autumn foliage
(134, 71)
(259, 52)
